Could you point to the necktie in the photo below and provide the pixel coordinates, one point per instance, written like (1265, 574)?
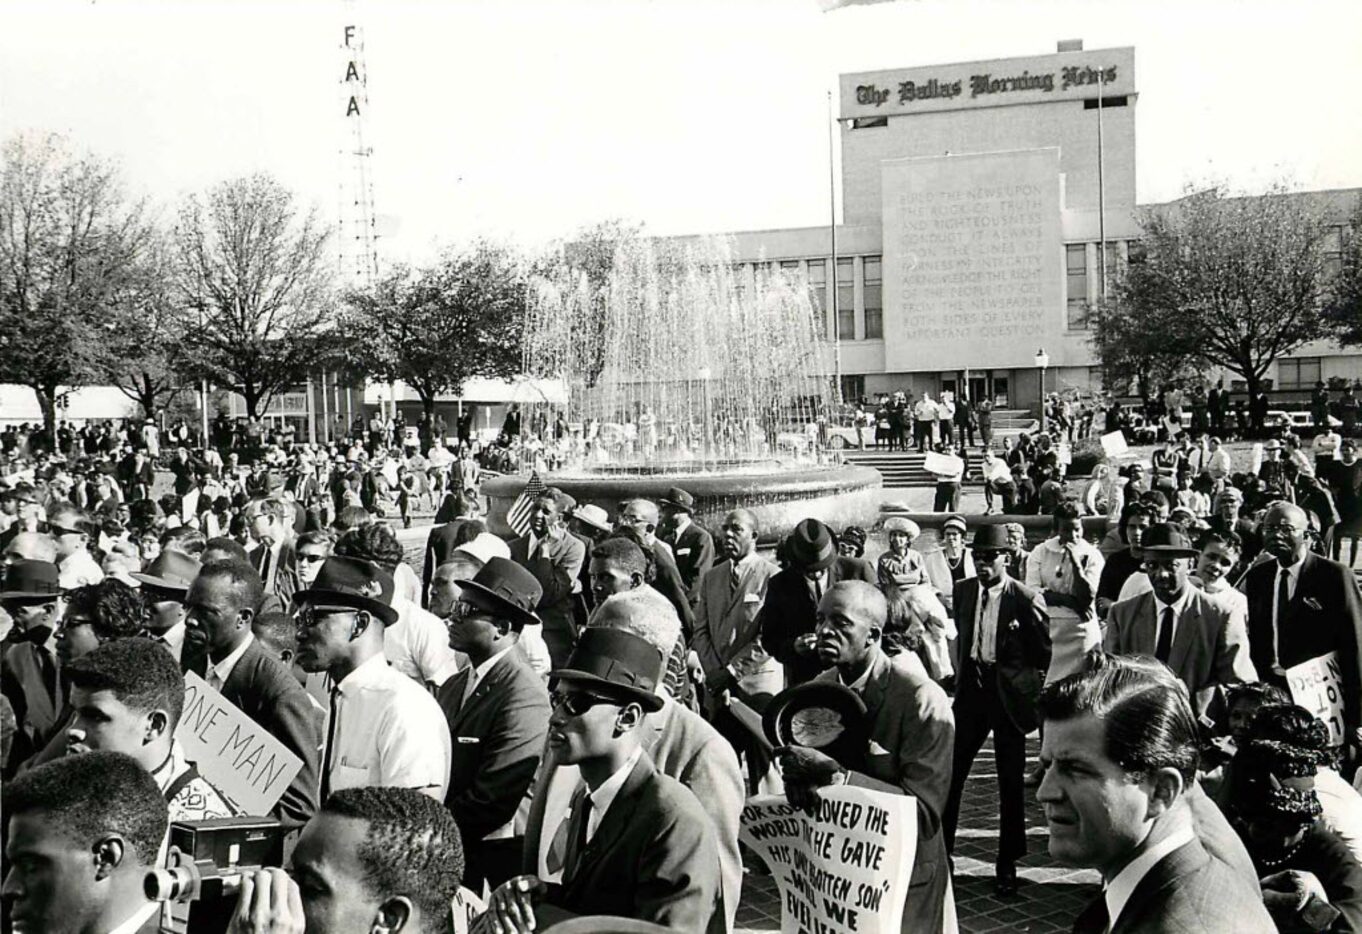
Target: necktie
(214, 680)
(469, 687)
(558, 846)
(979, 626)
(581, 816)
(1094, 918)
(1283, 598)
(332, 716)
(1165, 646)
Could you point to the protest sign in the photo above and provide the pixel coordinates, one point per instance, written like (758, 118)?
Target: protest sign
(1114, 444)
(1317, 685)
(844, 870)
(1256, 458)
(249, 766)
(465, 909)
(943, 465)
(1064, 453)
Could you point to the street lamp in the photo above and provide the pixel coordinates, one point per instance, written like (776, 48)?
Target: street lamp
(1042, 362)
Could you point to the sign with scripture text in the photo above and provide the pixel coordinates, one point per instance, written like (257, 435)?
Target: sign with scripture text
(846, 869)
(1317, 685)
(249, 766)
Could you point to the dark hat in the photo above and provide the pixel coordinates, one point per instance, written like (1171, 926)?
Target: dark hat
(617, 660)
(172, 570)
(811, 546)
(823, 715)
(352, 582)
(1166, 540)
(505, 589)
(31, 581)
(992, 538)
(678, 498)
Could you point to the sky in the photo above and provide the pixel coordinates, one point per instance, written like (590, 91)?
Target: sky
(525, 121)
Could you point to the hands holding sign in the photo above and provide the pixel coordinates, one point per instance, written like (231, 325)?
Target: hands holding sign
(806, 770)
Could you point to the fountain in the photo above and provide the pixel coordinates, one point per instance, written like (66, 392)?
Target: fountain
(683, 372)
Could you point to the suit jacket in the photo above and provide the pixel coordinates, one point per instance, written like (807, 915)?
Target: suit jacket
(268, 693)
(788, 613)
(497, 738)
(1210, 645)
(1021, 650)
(556, 573)
(1324, 615)
(653, 858)
(667, 582)
(694, 552)
(912, 740)
(38, 702)
(285, 580)
(1187, 892)
(727, 626)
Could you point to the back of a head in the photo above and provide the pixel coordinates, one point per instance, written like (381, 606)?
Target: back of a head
(185, 539)
(412, 848)
(1148, 718)
(643, 612)
(114, 609)
(89, 796)
(140, 673)
(374, 542)
(224, 548)
(277, 632)
(623, 552)
(350, 517)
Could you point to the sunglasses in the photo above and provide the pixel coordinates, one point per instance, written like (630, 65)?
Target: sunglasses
(309, 616)
(311, 559)
(577, 703)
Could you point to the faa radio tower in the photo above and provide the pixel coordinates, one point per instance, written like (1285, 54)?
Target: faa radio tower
(357, 234)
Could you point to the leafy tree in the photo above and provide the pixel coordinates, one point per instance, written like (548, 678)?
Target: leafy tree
(69, 242)
(1137, 344)
(1344, 312)
(254, 278)
(436, 327)
(1234, 282)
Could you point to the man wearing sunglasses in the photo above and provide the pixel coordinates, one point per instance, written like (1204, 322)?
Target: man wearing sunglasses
(70, 528)
(498, 713)
(636, 843)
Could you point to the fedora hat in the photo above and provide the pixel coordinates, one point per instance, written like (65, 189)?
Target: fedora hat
(504, 589)
(352, 582)
(811, 546)
(594, 516)
(31, 581)
(1166, 540)
(992, 538)
(172, 570)
(678, 498)
(823, 715)
(618, 661)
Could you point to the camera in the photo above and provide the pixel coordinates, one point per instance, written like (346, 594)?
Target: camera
(205, 864)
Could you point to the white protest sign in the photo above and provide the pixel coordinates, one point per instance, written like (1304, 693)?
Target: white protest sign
(943, 465)
(465, 909)
(1317, 685)
(1114, 444)
(249, 766)
(844, 871)
(1256, 462)
(1064, 453)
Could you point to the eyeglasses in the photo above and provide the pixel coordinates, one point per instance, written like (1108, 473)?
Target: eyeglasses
(577, 703)
(463, 609)
(989, 556)
(309, 616)
(311, 559)
(59, 530)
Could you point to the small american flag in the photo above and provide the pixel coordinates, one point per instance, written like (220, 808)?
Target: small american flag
(518, 516)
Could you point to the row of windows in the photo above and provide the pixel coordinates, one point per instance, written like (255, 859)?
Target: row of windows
(872, 293)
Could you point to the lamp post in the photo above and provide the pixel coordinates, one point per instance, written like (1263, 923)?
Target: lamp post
(1042, 361)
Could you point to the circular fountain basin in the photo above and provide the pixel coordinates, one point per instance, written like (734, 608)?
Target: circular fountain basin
(839, 496)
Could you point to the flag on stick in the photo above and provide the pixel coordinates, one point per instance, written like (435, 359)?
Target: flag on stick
(518, 516)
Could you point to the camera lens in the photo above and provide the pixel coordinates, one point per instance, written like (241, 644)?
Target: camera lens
(168, 885)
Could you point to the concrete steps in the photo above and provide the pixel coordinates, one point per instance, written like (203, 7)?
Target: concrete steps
(900, 469)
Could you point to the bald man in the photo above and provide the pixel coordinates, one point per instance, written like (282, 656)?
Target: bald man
(1303, 606)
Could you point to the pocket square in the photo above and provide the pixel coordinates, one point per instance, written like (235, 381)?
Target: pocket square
(877, 750)
(1312, 603)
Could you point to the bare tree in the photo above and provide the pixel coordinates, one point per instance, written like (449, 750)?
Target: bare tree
(257, 285)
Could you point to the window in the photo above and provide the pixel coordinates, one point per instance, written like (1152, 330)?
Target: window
(818, 288)
(1076, 278)
(866, 123)
(846, 299)
(1118, 101)
(1300, 373)
(1111, 256)
(853, 388)
(874, 298)
(1333, 253)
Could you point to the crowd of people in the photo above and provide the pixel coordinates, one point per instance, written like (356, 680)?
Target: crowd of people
(560, 721)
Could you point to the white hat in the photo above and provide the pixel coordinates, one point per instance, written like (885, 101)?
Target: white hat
(485, 547)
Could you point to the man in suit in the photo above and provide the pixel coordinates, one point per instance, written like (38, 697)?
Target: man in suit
(1302, 606)
(1200, 639)
(1120, 753)
(911, 731)
(1004, 648)
(498, 713)
(726, 644)
(274, 556)
(692, 546)
(81, 834)
(638, 844)
(30, 672)
(221, 605)
(555, 557)
(165, 584)
(641, 515)
(787, 618)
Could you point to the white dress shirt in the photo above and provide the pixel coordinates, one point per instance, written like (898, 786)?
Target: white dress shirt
(1177, 607)
(389, 732)
(140, 917)
(1118, 891)
(480, 671)
(1293, 577)
(605, 795)
(986, 624)
(223, 669)
(417, 644)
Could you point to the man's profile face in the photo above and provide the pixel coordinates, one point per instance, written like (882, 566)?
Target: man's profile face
(102, 721)
(212, 613)
(331, 881)
(1095, 814)
(844, 629)
(607, 577)
(48, 888)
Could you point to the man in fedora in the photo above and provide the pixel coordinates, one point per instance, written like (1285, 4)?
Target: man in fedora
(30, 674)
(637, 843)
(1204, 643)
(165, 585)
(498, 713)
(1004, 646)
(555, 557)
(382, 728)
(591, 524)
(790, 611)
(692, 546)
